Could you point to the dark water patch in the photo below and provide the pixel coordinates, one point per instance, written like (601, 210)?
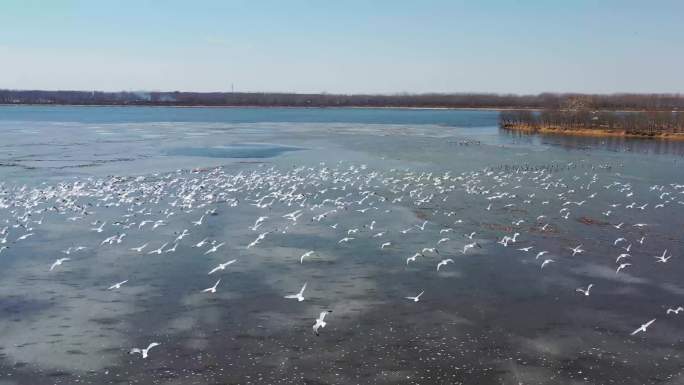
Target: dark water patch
(106, 321)
(59, 373)
(12, 306)
(238, 150)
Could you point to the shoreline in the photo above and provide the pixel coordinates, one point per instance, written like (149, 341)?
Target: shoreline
(305, 107)
(590, 132)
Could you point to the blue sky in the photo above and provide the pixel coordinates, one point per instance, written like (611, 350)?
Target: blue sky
(344, 46)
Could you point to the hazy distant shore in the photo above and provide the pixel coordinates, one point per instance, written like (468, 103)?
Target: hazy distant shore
(432, 101)
(273, 106)
(299, 107)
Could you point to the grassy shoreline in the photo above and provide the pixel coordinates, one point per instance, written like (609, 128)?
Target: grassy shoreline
(593, 132)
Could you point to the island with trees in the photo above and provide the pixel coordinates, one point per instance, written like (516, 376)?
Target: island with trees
(581, 117)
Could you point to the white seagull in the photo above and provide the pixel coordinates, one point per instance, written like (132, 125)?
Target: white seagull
(299, 296)
(663, 258)
(214, 248)
(211, 289)
(319, 321)
(222, 266)
(199, 221)
(576, 250)
(117, 285)
(585, 291)
(159, 250)
(59, 262)
(139, 248)
(444, 262)
(144, 351)
(307, 254)
(201, 243)
(416, 298)
(541, 253)
(643, 327)
(622, 266)
(413, 258)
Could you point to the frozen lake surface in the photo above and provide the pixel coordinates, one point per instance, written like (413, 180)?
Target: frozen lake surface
(391, 204)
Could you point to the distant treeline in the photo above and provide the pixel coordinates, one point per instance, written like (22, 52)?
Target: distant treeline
(649, 123)
(653, 102)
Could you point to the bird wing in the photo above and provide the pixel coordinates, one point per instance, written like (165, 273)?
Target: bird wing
(322, 315)
(153, 344)
(135, 350)
(214, 270)
(291, 296)
(301, 291)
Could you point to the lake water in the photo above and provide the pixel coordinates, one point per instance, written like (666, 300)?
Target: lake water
(73, 177)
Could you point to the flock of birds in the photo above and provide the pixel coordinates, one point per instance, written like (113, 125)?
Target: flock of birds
(320, 195)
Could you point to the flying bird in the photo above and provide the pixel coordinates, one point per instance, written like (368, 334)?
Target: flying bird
(622, 266)
(305, 255)
(214, 248)
(319, 321)
(59, 262)
(444, 262)
(222, 266)
(413, 258)
(416, 298)
(139, 249)
(585, 291)
(299, 296)
(643, 327)
(541, 253)
(576, 250)
(117, 285)
(144, 351)
(211, 289)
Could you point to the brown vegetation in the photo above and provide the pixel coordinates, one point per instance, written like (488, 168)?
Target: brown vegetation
(581, 117)
(550, 101)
